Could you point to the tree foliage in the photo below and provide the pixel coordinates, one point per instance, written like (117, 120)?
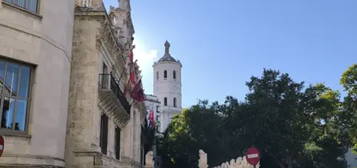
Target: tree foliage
(293, 126)
(178, 148)
(349, 82)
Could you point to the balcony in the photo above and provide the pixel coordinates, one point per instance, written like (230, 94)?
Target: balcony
(112, 99)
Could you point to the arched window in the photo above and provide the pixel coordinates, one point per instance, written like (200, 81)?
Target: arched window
(165, 74)
(174, 74)
(157, 75)
(175, 102)
(165, 101)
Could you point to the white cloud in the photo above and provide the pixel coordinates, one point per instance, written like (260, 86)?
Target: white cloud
(146, 58)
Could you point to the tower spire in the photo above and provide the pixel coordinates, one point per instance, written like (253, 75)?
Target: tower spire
(167, 48)
(167, 56)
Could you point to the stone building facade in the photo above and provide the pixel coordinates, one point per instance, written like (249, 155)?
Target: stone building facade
(35, 60)
(104, 124)
(152, 105)
(63, 74)
(167, 87)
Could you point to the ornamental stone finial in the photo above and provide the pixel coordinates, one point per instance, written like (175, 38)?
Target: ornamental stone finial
(124, 4)
(202, 162)
(167, 47)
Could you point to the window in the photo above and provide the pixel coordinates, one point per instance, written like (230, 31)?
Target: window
(14, 95)
(165, 74)
(157, 75)
(174, 74)
(105, 68)
(30, 5)
(165, 101)
(117, 142)
(174, 102)
(105, 77)
(103, 133)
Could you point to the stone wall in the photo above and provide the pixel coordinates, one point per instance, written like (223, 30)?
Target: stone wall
(240, 162)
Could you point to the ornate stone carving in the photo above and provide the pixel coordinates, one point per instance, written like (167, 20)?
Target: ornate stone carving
(240, 162)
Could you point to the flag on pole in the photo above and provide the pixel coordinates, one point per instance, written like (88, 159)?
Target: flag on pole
(151, 119)
(131, 56)
(138, 92)
(132, 78)
(132, 74)
(134, 86)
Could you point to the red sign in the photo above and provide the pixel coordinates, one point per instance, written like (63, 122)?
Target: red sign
(2, 146)
(253, 156)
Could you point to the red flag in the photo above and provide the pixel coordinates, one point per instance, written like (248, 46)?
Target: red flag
(131, 56)
(138, 92)
(132, 77)
(151, 115)
(151, 119)
(132, 74)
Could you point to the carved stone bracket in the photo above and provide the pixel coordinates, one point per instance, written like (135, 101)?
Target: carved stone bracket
(111, 106)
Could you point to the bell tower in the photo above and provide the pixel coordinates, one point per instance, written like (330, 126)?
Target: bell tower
(167, 86)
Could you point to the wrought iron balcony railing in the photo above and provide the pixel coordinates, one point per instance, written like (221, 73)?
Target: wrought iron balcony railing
(108, 82)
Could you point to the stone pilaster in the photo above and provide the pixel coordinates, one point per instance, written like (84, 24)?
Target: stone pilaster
(83, 113)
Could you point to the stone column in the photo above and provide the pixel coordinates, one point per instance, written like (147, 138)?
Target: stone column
(137, 136)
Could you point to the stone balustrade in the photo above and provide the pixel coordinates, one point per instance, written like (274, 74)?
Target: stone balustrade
(240, 162)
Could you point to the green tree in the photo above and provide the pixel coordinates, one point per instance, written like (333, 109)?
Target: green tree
(275, 121)
(292, 126)
(178, 148)
(328, 141)
(349, 82)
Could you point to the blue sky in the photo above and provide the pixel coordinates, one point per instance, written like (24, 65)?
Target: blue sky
(222, 43)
